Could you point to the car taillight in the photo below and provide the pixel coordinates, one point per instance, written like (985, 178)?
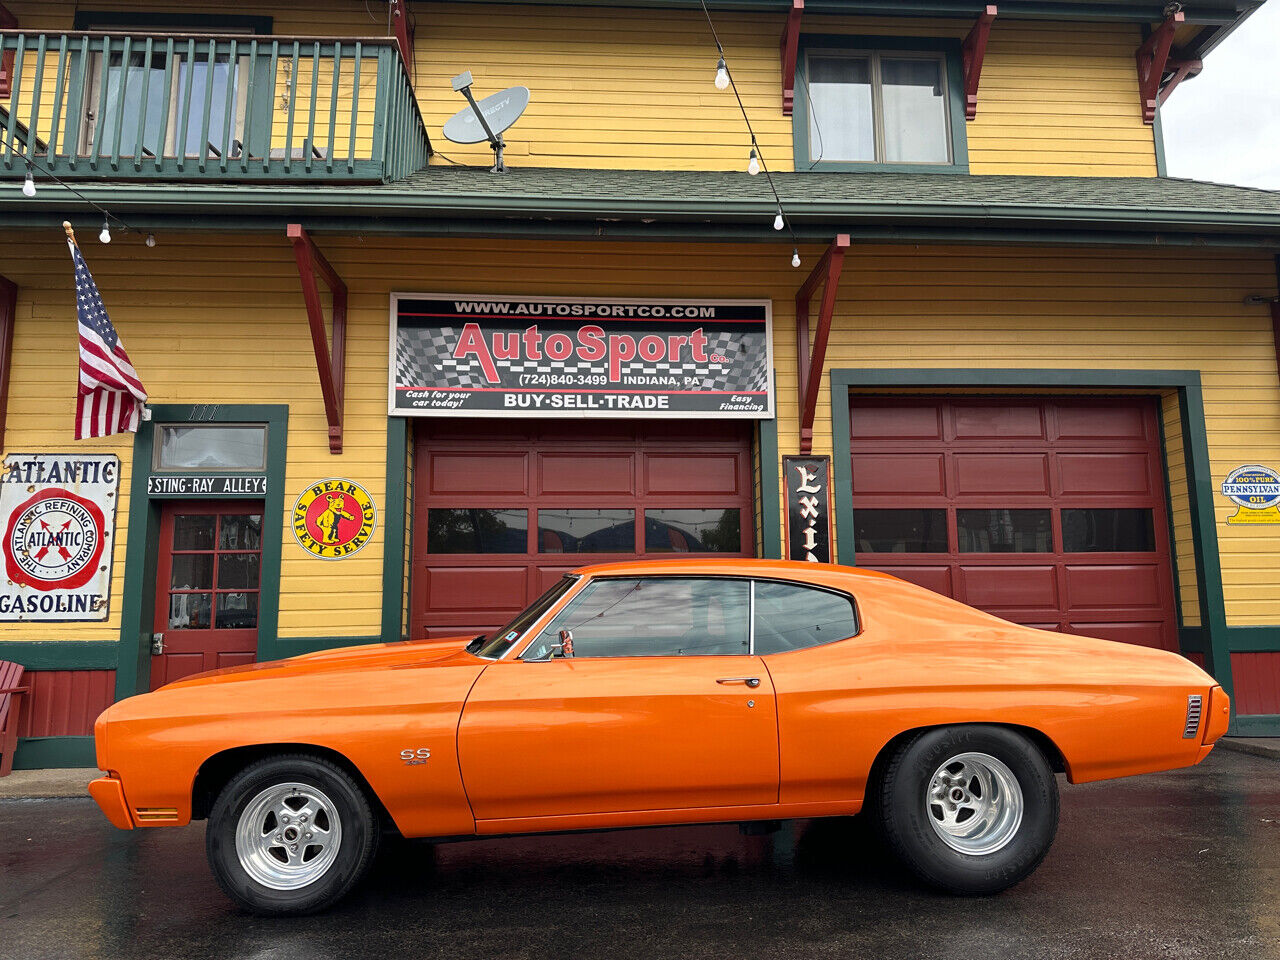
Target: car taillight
(1218, 715)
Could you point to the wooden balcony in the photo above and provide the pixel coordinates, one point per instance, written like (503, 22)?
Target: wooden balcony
(209, 108)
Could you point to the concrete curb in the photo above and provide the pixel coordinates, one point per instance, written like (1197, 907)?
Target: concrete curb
(47, 784)
(1268, 747)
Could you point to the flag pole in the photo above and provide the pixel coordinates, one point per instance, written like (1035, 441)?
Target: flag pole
(71, 234)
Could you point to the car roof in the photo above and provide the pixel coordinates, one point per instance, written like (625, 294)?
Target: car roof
(797, 570)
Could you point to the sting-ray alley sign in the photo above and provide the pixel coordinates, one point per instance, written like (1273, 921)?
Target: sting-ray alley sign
(59, 514)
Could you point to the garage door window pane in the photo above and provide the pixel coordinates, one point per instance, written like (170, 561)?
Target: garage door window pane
(1004, 531)
(468, 530)
(586, 531)
(1108, 531)
(901, 531)
(653, 617)
(693, 531)
(790, 617)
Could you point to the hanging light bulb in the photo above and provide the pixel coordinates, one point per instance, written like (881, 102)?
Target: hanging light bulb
(795, 256)
(105, 235)
(722, 75)
(28, 185)
(753, 165)
(151, 239)
(778, 222)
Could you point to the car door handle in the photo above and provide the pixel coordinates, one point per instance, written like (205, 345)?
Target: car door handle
(749, 681)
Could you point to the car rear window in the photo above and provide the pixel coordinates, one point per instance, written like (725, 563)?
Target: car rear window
(790, 616)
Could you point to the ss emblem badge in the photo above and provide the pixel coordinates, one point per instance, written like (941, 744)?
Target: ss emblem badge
(414, 757)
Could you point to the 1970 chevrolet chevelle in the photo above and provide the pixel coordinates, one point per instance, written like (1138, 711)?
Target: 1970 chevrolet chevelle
(657, 693)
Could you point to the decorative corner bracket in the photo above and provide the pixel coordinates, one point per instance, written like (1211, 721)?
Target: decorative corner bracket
(790, 49)
(972, 52)
(330, 363)
(404, 33)
(826, 272)
(1179, 70)
(7, 22)
(1153, 58)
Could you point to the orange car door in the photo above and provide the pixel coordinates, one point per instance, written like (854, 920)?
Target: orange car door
(660, 707)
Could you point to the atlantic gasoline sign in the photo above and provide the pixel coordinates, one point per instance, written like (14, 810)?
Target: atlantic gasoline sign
(57, 514)
(566, 357)
(333, 519)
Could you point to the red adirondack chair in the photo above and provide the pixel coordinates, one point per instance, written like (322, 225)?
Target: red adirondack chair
(11, 693)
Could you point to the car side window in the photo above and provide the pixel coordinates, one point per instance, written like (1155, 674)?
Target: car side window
(791, 617)
(653, 617)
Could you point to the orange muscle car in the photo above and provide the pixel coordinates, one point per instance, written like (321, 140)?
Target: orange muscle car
(657, 693)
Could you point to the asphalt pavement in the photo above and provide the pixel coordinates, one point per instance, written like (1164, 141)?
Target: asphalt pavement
(1178, 865)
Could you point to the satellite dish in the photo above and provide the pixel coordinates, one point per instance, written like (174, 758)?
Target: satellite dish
(500, 111)
(487, 119)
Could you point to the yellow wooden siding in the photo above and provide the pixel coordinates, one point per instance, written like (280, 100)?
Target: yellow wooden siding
(1180, 510)
(1070, 308)
(628, 87)
(211, 319)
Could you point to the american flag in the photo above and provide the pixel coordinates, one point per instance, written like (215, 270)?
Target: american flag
(111, 396)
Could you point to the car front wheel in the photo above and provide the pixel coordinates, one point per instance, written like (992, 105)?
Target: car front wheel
(970, 809)
(290, 835)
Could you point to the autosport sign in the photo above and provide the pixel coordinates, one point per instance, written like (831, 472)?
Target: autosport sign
(57, 514)
(559, 357)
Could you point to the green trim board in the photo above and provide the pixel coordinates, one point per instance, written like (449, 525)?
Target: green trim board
(838, 43)
(199, 22)
(1260, 725)
(1157, 135)
(770, 491)
(393, 527)
(138, 607)
(1195, 449)
(62, 654)
(41, 753)
(1260, 639)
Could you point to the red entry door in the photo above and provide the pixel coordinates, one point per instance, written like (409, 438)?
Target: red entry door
(207, 585)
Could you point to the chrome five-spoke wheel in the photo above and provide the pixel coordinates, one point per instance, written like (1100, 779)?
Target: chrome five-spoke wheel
(975, 803)
(288, 836)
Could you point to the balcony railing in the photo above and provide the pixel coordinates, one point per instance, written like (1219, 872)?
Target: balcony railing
(203, 107)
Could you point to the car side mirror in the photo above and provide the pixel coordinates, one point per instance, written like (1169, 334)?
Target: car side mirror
(566, 643)
(564, 648)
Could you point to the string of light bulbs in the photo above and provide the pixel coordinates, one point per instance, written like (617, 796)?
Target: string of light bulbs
(29, 191)
(755, 161)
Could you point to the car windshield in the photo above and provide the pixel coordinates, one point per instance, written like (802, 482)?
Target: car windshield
(494, 645)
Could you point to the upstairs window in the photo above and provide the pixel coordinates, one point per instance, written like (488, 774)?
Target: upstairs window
(886, 109)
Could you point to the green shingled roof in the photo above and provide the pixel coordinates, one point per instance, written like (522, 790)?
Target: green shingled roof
(704, 205)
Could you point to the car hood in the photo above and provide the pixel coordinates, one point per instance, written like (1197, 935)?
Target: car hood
(415, 653)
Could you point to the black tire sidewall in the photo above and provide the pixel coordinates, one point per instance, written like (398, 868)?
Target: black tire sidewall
(907, 824)
(355, 852)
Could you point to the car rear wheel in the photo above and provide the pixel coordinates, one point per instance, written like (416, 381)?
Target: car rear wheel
(969, 809)
(290, 835)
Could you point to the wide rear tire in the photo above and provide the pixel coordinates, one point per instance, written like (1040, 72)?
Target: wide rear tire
(969, 809)
(290, 835)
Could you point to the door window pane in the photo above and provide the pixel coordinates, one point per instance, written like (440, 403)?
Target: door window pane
(841, 126)
(191, 571)
(1004, 531)
(586, 531)
(1123, 530)
(653, 617)
(901, 531)
(238, 570)
(915, 118)
(212, 448)
(468, 530)
(241, 532)
(193, 532)
(791, 617)
(189, 611)
(693, 531)
(237, 611)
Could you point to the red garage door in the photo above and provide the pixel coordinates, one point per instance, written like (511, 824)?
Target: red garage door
(502, 510)
(1048, 513)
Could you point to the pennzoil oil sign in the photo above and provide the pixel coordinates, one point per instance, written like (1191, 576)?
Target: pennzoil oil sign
(57, 514)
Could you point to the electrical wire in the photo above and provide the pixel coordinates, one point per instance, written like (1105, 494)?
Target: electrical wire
(747, 120)
(45, 171)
